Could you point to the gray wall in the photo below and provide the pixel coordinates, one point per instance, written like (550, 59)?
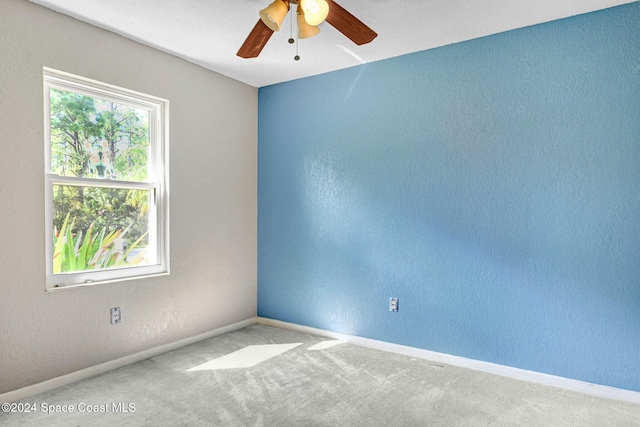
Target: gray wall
(213, 151)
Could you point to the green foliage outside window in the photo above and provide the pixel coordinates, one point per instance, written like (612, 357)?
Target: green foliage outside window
(93, 250)
(95, 138)
(84, 128)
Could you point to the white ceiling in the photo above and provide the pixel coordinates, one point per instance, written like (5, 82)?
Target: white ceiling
(210, 32)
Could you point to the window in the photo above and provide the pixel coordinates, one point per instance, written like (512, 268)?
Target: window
(106, 170)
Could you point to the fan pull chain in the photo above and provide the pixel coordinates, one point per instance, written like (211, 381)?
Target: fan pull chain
(297, 57)
(291, 34)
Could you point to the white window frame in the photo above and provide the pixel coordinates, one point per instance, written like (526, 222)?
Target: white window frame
(157, 179)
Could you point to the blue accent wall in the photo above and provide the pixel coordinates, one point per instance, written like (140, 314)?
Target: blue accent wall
(493, 186)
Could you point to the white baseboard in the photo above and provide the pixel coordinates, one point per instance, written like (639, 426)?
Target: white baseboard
(92, 371)
(478, 365)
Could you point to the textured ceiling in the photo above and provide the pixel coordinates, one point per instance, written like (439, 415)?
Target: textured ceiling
(210, 32)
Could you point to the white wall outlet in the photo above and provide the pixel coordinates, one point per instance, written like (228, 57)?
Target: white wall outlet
(116, 315)
(393, 304)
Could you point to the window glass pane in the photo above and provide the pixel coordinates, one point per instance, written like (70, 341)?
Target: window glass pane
(96, 138)
(96, 228)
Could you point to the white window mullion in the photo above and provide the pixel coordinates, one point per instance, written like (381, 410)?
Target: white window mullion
(105, 183)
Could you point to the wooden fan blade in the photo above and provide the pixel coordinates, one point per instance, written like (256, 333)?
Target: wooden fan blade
(349, 25)
(256, 41)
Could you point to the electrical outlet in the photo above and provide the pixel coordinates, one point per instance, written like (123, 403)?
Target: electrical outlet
(393, 304)
(116, 315)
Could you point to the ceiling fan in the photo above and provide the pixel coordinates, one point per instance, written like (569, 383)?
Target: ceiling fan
(310, 14)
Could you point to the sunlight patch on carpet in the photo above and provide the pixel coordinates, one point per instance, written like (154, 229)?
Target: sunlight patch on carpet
(325, 344)
(245, 358)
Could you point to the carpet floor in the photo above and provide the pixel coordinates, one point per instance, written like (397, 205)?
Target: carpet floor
(265, 376)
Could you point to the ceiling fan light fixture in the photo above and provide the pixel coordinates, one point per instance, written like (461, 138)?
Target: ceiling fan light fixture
(274, 14)
(305, 30)
(315, 11)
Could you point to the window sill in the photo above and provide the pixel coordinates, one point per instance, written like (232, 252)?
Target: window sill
(58, 288)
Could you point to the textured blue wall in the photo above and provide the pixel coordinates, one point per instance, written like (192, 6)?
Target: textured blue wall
(492, 185)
